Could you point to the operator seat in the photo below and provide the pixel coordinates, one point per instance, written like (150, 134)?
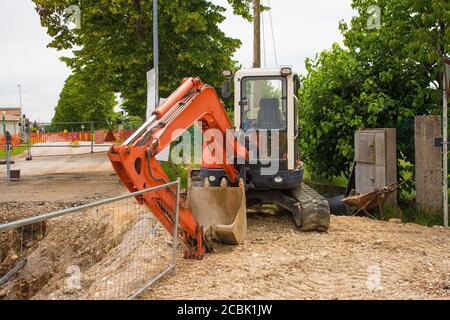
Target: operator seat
(269, 115)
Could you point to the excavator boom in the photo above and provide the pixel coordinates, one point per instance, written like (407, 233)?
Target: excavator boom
(138, 168)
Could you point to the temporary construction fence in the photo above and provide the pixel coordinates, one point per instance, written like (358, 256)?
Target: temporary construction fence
(97, 131)
(48, 152)
(110, 249)
(56, 159)
(96, 137)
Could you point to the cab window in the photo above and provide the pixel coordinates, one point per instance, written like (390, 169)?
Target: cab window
(264, 103)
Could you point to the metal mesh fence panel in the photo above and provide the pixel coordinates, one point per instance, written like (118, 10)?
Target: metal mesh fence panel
(58, 159)
(108, 250)
(63, 148)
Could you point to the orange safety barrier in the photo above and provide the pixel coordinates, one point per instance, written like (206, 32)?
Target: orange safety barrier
(15, 140)
(100, 136)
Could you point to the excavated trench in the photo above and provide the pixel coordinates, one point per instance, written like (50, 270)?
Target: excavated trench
(17, 244)
(36, 260)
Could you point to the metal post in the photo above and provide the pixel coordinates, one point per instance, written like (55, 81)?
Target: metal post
(8, 162)
(8, 156)
(156, 50)
(21, 111)
(28, 133)
(445, 146)
(175, 229)
(23, 129)
(92, 136)
(4, 122)
(20, 95)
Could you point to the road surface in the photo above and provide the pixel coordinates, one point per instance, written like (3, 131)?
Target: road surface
(57, 158)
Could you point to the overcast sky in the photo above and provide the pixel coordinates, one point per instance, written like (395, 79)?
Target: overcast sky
(302, 28)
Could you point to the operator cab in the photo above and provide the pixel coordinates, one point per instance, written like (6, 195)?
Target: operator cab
(265, 104)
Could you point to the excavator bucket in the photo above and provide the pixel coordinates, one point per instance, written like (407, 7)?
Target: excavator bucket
(221, 210)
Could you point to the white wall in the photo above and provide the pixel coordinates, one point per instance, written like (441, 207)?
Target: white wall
(12, 127)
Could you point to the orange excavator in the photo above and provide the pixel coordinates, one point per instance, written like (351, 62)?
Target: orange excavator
(220, 192)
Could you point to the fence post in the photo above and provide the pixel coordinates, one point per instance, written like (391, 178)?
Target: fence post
(428, 163)
(8, 156)
(29, 156)
(175, 229)
(92, 136)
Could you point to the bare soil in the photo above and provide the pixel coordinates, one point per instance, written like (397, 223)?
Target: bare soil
(278, 262)
(358, 258)
(62, 187)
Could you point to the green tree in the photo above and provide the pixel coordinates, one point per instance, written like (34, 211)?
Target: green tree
(383, 78)
(329, 112)
(83, 100)
(115, 42)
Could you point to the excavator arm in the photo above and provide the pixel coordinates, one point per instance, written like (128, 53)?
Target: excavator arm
(138, 168)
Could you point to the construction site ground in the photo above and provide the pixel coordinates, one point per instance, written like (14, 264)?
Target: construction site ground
(358, 258)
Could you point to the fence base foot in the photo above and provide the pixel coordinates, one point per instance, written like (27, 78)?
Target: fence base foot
(4, 163)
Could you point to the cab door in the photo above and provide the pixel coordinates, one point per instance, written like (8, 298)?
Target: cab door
(263, 107)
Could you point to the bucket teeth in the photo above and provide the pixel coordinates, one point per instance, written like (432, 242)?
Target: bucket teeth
(223, 183)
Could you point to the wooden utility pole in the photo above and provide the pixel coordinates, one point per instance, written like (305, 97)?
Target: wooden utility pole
(445, 86)
(257, 34)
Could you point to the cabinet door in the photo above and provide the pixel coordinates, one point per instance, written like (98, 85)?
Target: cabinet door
(365, 177)
(380, 148)
(365, 147)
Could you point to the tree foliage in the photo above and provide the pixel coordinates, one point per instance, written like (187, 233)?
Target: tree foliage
(382, 78)
(328, 116)
(83, 100)
(115, 42)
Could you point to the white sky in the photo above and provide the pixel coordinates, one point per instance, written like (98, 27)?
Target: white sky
(302, 29)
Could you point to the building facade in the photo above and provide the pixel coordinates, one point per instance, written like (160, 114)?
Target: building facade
(12, 117)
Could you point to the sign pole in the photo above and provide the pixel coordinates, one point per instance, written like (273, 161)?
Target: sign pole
(4, 123)
(156, 50)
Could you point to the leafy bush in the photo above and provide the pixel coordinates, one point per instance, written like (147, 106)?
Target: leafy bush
(384, 77)
(328, 118)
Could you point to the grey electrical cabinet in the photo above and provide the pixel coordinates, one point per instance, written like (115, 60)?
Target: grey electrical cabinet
(376, 160)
